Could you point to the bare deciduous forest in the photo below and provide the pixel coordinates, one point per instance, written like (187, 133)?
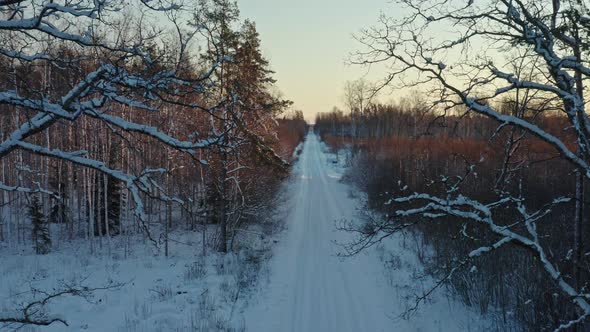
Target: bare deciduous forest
(488, 169)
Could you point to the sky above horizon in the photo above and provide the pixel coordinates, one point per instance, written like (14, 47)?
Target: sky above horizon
(307, 43)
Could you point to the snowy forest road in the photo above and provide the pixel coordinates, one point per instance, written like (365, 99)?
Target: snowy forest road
(311, 288)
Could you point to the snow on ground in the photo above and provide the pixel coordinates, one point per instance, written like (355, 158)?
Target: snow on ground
(183, 292)
(307, 289)
(312, 289)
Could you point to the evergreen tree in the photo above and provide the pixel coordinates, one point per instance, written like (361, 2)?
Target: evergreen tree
(41, 238)
(58, 211)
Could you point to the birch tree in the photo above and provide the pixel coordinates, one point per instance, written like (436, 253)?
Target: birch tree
(124, 68)
(115, 69)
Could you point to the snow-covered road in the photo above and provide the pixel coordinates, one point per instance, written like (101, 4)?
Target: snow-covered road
(312, 289)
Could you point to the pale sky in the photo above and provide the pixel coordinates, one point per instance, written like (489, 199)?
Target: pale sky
(307, 43)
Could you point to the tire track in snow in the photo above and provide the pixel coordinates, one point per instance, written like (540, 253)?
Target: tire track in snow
(324, 293)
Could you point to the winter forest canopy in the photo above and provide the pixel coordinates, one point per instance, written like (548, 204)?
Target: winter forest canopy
(155, 178)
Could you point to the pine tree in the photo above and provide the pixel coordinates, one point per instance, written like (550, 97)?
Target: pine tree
(41, 238)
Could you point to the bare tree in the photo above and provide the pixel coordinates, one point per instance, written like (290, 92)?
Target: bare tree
(470, 69)
(117, 68)
(107, 68)
(358, 95)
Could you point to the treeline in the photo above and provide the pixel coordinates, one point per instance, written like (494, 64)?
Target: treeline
(413, 118)
(292, 129)
(219, 93)
(403, 148)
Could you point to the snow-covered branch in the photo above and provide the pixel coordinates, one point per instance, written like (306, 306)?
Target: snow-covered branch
(33, 312)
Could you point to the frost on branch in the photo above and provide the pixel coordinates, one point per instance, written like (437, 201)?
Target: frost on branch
(116, 74)
(534, 55)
